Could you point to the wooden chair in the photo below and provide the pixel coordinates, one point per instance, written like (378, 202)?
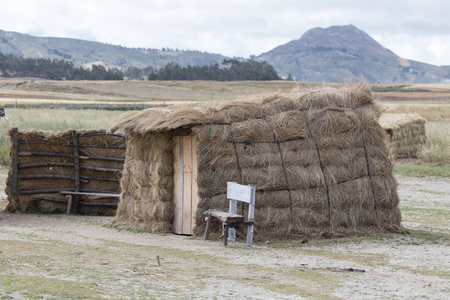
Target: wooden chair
(231, 220)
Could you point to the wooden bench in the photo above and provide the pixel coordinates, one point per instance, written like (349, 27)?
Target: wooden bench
(231, 220)
(91, 196)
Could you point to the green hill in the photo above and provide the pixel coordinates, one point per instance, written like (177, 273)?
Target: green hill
(82, 52)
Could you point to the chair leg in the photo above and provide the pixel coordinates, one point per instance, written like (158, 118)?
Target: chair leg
(249, 235)
(69, 204)
(225, 236)
(208, 228)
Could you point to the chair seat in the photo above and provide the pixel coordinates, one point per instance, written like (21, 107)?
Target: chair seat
(225, 217)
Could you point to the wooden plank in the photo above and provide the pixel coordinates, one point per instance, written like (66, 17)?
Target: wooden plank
(225, 217)
(92, 195)
(102, 146)
(40, 153)
(195, 197)
(49, 176)
(46, 164)
(187, 184)
(87, 178)
(42, 191)
(178, 184)
(118, 159)
(108, 170)
(114, 205)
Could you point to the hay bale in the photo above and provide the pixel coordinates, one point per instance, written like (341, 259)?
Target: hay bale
(318, 159)
(407, 134)
(147, 185)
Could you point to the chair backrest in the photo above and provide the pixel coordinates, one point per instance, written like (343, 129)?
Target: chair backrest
(244, 193)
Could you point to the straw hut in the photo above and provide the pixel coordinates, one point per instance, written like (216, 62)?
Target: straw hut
(407, 134)
(318, 159)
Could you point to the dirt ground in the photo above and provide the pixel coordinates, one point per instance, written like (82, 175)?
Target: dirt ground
(58, 256)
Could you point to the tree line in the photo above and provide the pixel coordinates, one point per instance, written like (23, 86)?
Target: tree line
(230, 70)
(14, 66)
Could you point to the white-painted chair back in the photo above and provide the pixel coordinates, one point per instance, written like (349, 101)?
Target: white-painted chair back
(244, 193)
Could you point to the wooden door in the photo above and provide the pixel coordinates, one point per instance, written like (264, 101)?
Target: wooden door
(185, 184)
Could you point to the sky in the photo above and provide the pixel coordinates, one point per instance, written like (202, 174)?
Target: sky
(413, 29)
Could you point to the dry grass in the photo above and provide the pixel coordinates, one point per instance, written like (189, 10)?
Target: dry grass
(57, 119)
(429, 111)
(437, 147)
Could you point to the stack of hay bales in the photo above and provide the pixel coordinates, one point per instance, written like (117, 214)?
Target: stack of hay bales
(45, 165)
(147, 183)
(407, 134)
(318, 159)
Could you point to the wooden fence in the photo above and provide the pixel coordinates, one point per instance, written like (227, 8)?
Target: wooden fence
(43, 164)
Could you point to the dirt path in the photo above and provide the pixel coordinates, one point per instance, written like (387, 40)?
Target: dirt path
(58, 256)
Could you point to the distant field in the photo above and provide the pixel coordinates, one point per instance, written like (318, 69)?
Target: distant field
(26, 91)
(129, 92)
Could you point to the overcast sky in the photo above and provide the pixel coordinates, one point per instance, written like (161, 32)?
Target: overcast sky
(413, 29)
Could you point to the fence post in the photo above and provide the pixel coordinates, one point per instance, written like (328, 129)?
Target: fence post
(76, 158)
(15, 168)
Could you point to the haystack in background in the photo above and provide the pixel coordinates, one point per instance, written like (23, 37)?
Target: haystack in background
(318, 159)
(407, 134)
(43, 163)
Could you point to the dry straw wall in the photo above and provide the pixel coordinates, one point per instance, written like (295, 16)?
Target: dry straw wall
(318, 159)
(44, 163)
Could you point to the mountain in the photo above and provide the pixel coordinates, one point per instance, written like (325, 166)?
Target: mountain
(334, 54)
(345, 53)
(82, 52)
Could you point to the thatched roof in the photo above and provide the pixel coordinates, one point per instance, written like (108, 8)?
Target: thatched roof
(189, 115)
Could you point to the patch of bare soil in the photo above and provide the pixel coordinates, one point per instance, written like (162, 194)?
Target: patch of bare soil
(85, 254)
